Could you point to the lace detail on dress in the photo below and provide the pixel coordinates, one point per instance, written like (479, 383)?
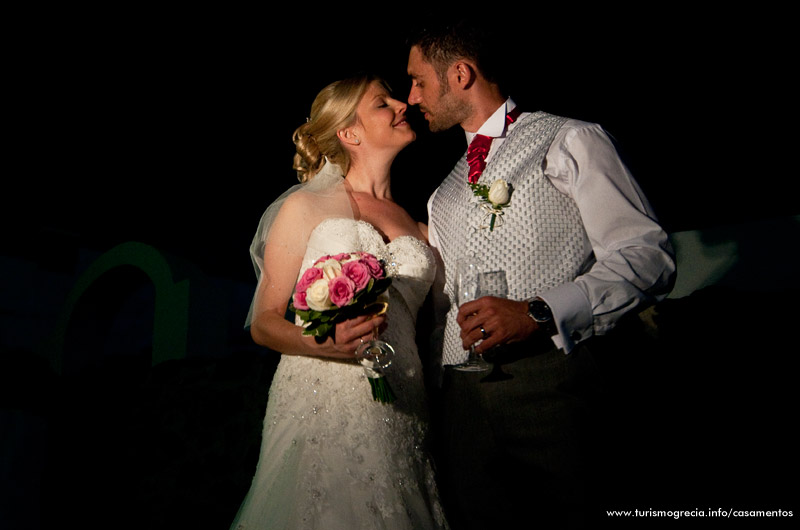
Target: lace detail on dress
(332, 457)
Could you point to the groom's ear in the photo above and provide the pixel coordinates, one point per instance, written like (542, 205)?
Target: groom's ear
(462, 74)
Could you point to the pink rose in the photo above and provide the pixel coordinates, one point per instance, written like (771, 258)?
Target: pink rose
(341, 257)
(374, 266)
(311, 275)
(358, 272)
(299, 299)
(341, 290)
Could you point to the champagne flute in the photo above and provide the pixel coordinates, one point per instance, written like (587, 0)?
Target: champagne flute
(468, 271)
(375, 356)
(494, 283)
(375, 353)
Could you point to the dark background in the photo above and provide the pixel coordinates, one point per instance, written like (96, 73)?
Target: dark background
(173, 128)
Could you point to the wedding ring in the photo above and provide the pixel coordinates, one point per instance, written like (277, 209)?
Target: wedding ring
(483, 332)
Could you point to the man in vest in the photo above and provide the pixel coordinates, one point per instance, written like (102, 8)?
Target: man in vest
(580, 247)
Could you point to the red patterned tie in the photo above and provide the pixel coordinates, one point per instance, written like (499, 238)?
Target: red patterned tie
(479, 148)
(476, 156)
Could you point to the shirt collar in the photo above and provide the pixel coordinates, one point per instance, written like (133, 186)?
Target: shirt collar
(495, 126)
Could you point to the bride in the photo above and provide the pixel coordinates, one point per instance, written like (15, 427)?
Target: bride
(331, 456)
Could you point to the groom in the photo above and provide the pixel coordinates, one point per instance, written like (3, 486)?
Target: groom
(580, 246)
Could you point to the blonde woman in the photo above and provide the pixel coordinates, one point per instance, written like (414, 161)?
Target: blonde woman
(332, 456)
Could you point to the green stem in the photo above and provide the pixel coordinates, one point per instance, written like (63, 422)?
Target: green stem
(381, 391)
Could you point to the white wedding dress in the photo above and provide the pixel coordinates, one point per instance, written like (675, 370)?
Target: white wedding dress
(331, 457)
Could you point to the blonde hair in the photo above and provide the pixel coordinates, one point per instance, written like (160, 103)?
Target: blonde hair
(333, 109)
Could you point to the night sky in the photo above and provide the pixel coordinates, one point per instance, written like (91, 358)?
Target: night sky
(174, 128)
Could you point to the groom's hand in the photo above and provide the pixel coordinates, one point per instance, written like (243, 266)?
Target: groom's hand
(495, 321)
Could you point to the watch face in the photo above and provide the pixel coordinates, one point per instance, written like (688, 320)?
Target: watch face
(539, 311)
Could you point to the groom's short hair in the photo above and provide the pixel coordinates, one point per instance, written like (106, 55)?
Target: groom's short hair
(444, 42)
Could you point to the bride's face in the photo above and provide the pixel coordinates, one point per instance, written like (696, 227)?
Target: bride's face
(382, 120)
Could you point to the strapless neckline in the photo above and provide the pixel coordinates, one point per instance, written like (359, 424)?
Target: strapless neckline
(369, 226)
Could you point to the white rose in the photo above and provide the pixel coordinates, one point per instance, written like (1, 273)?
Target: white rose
(331, 269)
(317, 295)
(498, 193)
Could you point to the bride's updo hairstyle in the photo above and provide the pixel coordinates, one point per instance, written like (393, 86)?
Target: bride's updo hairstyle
(333, 109)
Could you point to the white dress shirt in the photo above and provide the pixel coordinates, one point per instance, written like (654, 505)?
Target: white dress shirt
(629, 260)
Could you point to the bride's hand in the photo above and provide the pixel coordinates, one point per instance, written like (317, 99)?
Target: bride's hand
(351, 333)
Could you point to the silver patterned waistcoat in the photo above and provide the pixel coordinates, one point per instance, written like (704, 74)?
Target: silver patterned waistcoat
(539, 241)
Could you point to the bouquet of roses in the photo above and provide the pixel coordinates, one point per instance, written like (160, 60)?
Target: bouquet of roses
(336, 288)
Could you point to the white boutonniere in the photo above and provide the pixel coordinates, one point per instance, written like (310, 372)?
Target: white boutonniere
(492, 200)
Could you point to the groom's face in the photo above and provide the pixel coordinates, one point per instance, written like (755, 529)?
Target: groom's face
(436, 100)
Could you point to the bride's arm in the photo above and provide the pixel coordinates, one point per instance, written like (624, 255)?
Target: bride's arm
(282, 262)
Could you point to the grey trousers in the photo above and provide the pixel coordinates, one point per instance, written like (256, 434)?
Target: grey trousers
(515, 452)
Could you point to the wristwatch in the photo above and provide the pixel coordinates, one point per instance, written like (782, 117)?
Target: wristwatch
(540, 312)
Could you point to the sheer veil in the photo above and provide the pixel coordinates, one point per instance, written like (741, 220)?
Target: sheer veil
(287, 223)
